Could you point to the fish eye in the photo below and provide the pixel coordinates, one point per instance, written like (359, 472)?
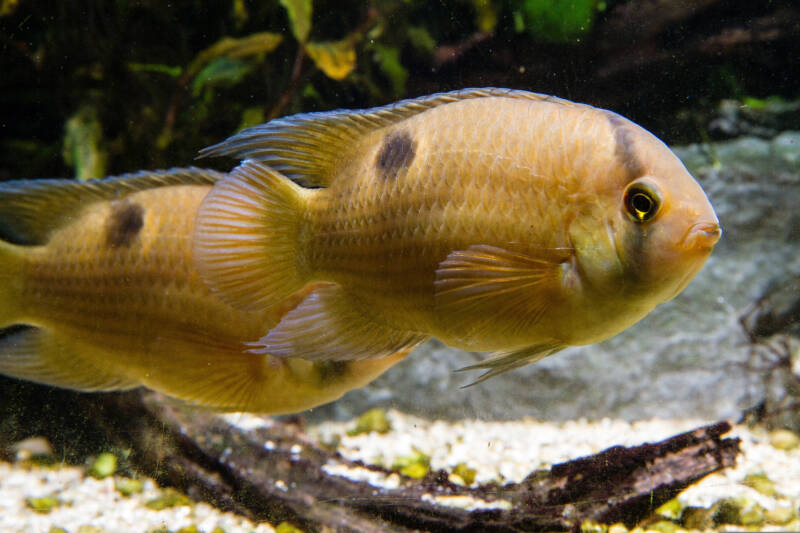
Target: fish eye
(641, 202)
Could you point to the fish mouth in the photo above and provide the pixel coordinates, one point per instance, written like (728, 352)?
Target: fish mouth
(702, 236)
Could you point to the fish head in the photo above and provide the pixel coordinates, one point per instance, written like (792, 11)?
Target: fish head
(665, 226)
(644, 227)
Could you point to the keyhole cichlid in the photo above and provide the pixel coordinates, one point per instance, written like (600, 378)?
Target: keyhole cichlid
(495, 220)
(98, 291)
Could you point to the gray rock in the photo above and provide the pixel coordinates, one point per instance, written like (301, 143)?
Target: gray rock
(683, 360)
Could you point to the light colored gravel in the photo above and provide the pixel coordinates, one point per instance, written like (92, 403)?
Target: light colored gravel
(88, 502)
(498, 451)
(508, 451)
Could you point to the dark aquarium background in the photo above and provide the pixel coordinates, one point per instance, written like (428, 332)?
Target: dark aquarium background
(91, 88)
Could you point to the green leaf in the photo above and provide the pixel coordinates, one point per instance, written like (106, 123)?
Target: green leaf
(83, 138)
(421, 39)
(156, 67)
(559, 20)
(300, 17)
(336, 59)
(235, 48)
(485, 15)
(7, 7)
(221, 71)
(388, 60)
(252, 116)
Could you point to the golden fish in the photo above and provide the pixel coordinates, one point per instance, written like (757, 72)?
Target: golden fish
(496, 220)
(102, 293)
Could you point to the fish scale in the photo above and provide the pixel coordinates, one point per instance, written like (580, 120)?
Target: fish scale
(496, 220)
(109, 301)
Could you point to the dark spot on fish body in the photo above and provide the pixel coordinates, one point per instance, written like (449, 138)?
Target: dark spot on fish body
(124, 223)
(397, 153)
(624, 145)
(331, 371)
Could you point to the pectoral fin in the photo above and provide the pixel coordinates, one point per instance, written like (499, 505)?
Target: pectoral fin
(501, 362)
(511, 288)
(328, 326)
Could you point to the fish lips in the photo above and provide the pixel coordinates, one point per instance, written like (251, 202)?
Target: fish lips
(702, 236)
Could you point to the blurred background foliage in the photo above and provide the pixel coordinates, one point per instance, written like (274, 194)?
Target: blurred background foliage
(93, 87)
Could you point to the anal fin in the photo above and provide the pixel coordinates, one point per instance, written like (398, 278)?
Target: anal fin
(40, 355)
(327, 326)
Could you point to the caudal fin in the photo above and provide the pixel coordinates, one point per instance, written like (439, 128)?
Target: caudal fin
(246, 242)
(10, 283)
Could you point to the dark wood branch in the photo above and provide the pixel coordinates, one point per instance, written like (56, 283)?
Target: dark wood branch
(278, 473)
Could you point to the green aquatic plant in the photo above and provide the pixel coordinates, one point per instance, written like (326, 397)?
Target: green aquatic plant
(556, 21)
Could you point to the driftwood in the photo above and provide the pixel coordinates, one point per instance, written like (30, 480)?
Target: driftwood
(278, 473)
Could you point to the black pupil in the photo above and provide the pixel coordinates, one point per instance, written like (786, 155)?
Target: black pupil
(641, 203)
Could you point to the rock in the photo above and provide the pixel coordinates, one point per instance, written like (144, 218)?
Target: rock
(780, 515)
(104, 466)
(683, 360)
(761, 483)
(697, 518)
(784, 439)
(32, 448)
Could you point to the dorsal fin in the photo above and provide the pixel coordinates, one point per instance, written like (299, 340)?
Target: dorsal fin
(30, 210)
(308, 148)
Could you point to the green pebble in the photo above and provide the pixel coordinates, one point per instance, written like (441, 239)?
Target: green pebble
(738, 511)
(671, 510)
(104, 466)
(619, 527)
(728, 511)
(189, 529)
(56, 529)
(127, 486)
(590, 526)
(780, 515)
(697, 518)
(761, 483)
(417, 465)
(373, 420)
(217, 530)
(784, 439)
(753, 516)
(169, 498)
(416, 457)
(90, 529)
(664, 526)
(286, 527)
(466, 473)
(415, 471)
(44, 504)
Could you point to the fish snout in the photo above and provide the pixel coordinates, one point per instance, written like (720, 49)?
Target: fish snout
(702, 236)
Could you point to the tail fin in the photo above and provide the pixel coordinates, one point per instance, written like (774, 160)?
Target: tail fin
(246, 242)
(11, 257)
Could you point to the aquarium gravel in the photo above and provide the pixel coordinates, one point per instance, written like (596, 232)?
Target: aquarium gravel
(761, 493)
(36, 498)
